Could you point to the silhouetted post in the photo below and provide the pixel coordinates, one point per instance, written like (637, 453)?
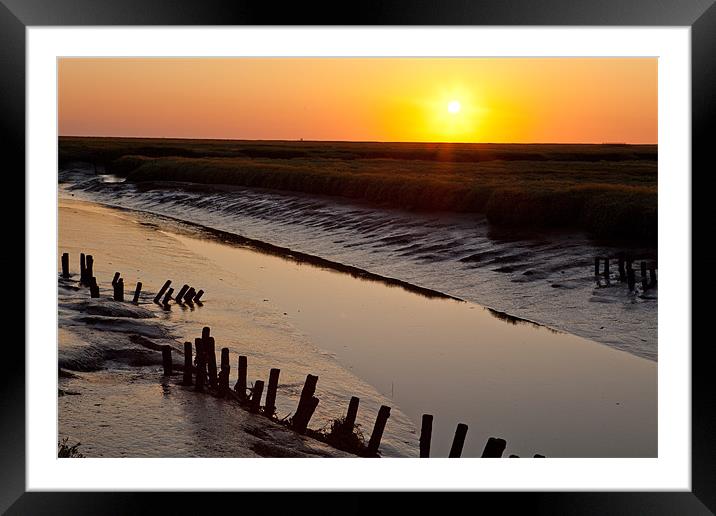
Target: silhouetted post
(205, 333)
(631, 279)
(652, 276)
(644, 279)
(224, 373)
(211, 361)
(137, 291)
(187, 364)
(622, 272)
(189, 296)
(426, 432)
(167, 359)
(494, 448)
(377, 435)
(119, 290)
(240, 386)
(300, 420)
(83, 268)
(270, 407)
(606, 267)
(458, 441)
(162, 290)
(65, 265)
(198, 295)
(200, 365)
(94, 288)
(167, 297)
(181, 293)
(596, 266)
(256, 393)
(309, 389)
(350, 421)
(115, 279)
(89, 268)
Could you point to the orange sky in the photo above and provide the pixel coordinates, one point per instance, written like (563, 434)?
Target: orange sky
(377, 99)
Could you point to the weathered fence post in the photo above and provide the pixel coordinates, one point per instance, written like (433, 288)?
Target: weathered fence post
(426, 432)
(644, 279)
(162, 290)
(596, 265)
(256, 393)
(494, 448)
(167, 359)
(198, 295)
(119, 290)
(350, 421)
(209, 346)
(186, 380)
(377, 435)
(83, 269)
(270, 407)
(137, 291)
(224, 373)
(167, 297)
(65, 265)
(181, 293)
(115, 279)
(200, 364)
(458, 441)
(89, 268)
(94, 288)
(303, 410)
(240, 386)
(189, 296)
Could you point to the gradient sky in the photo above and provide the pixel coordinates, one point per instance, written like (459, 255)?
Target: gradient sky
(560, 100)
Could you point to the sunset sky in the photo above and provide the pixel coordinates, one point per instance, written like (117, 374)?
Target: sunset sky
(516, 100)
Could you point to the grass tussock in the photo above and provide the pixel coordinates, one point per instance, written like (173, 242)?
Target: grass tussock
(607, 190)
(64, 450)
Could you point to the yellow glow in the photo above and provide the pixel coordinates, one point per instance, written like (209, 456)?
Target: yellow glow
(454, 106)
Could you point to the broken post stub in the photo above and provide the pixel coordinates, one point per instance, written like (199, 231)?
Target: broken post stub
(115, 279)
(209, 347)
(119, 290)
(189, 296)
(164, 288)
(65, 265)
(300, 421)
(256, 393)
(301, 417)
(167, 359)
(200, 365)
(240, 386)
(186, 380)
(224, 372)
(426, 432)
(378, 428)
(137, 291)
(198, 295)
(181, 293)
(270, 407)
(350, 421)
(494, 448)
(167, 297)
(89, 268)
(94, 288)
(83, 269)
(458, 441)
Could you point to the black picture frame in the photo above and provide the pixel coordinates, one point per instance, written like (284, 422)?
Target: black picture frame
(700, 15)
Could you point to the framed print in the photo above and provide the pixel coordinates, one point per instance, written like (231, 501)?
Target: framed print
(284, 243)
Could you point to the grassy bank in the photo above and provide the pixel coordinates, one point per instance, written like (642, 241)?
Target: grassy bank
(608, 190)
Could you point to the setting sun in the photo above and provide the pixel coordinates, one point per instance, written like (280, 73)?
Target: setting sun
(453, 106)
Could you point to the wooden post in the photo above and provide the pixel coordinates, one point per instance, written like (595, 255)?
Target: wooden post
(606, 267)
(377, 435)
(83, 268)
(224, 373)
(256, 393)
(494, 448)
(162, 290)
(240, 386)
(187, 364)
(622, 272)
(189, 296)
(270, 407)
(200, 365)
(596, 266)
(309, 389)
(631, 280)
(167, 297)
(65, 265)
(205, 333)
(181, 293)
(115, 279)
(644, 279)
(167, 359)
(300, 421)
(119, 290)
(458, 441)
(89, 268)
(209, 346)
(652, 276)
(94, 288)
(426, 432)
(137, 291)
(350, 420)
(198, 295)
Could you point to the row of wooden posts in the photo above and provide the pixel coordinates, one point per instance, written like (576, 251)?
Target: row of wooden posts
(186, 294)
(626, 271)
(203, 374)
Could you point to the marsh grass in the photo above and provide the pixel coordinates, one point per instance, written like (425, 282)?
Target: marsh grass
(607, 190)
